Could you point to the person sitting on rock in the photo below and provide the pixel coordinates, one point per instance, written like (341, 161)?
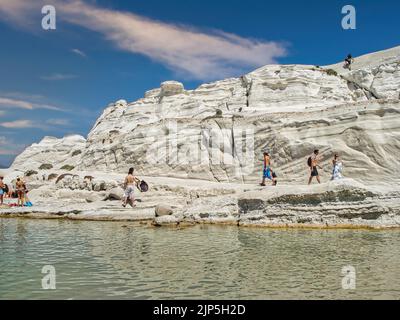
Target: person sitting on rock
(348, 62)
(313, 161)
(267, 172)
(129, 186)
(337, 168)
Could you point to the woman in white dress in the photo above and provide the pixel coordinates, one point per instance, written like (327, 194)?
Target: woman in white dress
(337, 168)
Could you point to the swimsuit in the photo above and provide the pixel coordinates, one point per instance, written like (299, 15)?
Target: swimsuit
(314, 172)
(129, 192)
(267, 173)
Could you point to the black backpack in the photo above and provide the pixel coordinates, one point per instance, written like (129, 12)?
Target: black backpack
(309, 162)
(144, 187)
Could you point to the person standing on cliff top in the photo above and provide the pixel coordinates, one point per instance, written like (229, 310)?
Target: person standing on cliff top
(129, 186)
(267, 172)
(348, 62)
(313, 163)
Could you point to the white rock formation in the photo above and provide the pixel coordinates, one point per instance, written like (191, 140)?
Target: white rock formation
(52, 151)
(288, 110)
(378, 73)
(217, 133)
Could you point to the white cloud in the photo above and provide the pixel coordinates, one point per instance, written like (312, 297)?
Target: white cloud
(6, 152)
(58, 122)
(58, 77)
(7, 102)
(17, 10)
(199, 54)
(19, 124)
(26, 124)
(79, 52)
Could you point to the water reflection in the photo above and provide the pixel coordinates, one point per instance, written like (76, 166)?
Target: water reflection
(21, 233)
(119, 260)
(2, 230)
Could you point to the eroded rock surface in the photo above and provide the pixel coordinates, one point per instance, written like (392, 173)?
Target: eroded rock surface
(202, 149)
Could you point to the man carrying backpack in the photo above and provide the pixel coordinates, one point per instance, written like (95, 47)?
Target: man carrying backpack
(312, 162)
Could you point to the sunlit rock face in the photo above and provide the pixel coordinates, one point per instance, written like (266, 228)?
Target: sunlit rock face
(51, 153)
(378, 73)
(218, 131)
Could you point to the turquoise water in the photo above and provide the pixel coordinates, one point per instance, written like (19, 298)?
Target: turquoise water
(107, 260)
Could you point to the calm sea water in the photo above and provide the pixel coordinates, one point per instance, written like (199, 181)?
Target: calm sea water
(96, 260)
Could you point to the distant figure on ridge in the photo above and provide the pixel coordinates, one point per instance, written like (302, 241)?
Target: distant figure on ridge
(337, 168)
(267, 172)
(129, 185)
(348, 62)
(312, 162)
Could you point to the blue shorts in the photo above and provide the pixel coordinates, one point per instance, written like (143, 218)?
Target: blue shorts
(1, 192)
(267, 173)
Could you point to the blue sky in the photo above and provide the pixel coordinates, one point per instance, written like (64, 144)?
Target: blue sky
(57, 82)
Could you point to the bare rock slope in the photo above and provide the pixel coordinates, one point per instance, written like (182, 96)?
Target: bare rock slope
(216, 134)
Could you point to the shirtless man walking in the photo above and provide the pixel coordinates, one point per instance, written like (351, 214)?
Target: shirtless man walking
(313, 162)
(129, 185)
(267, 172)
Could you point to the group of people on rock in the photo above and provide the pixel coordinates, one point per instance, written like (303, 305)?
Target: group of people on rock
(19, 192)
(313, 164)
(131, 182)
